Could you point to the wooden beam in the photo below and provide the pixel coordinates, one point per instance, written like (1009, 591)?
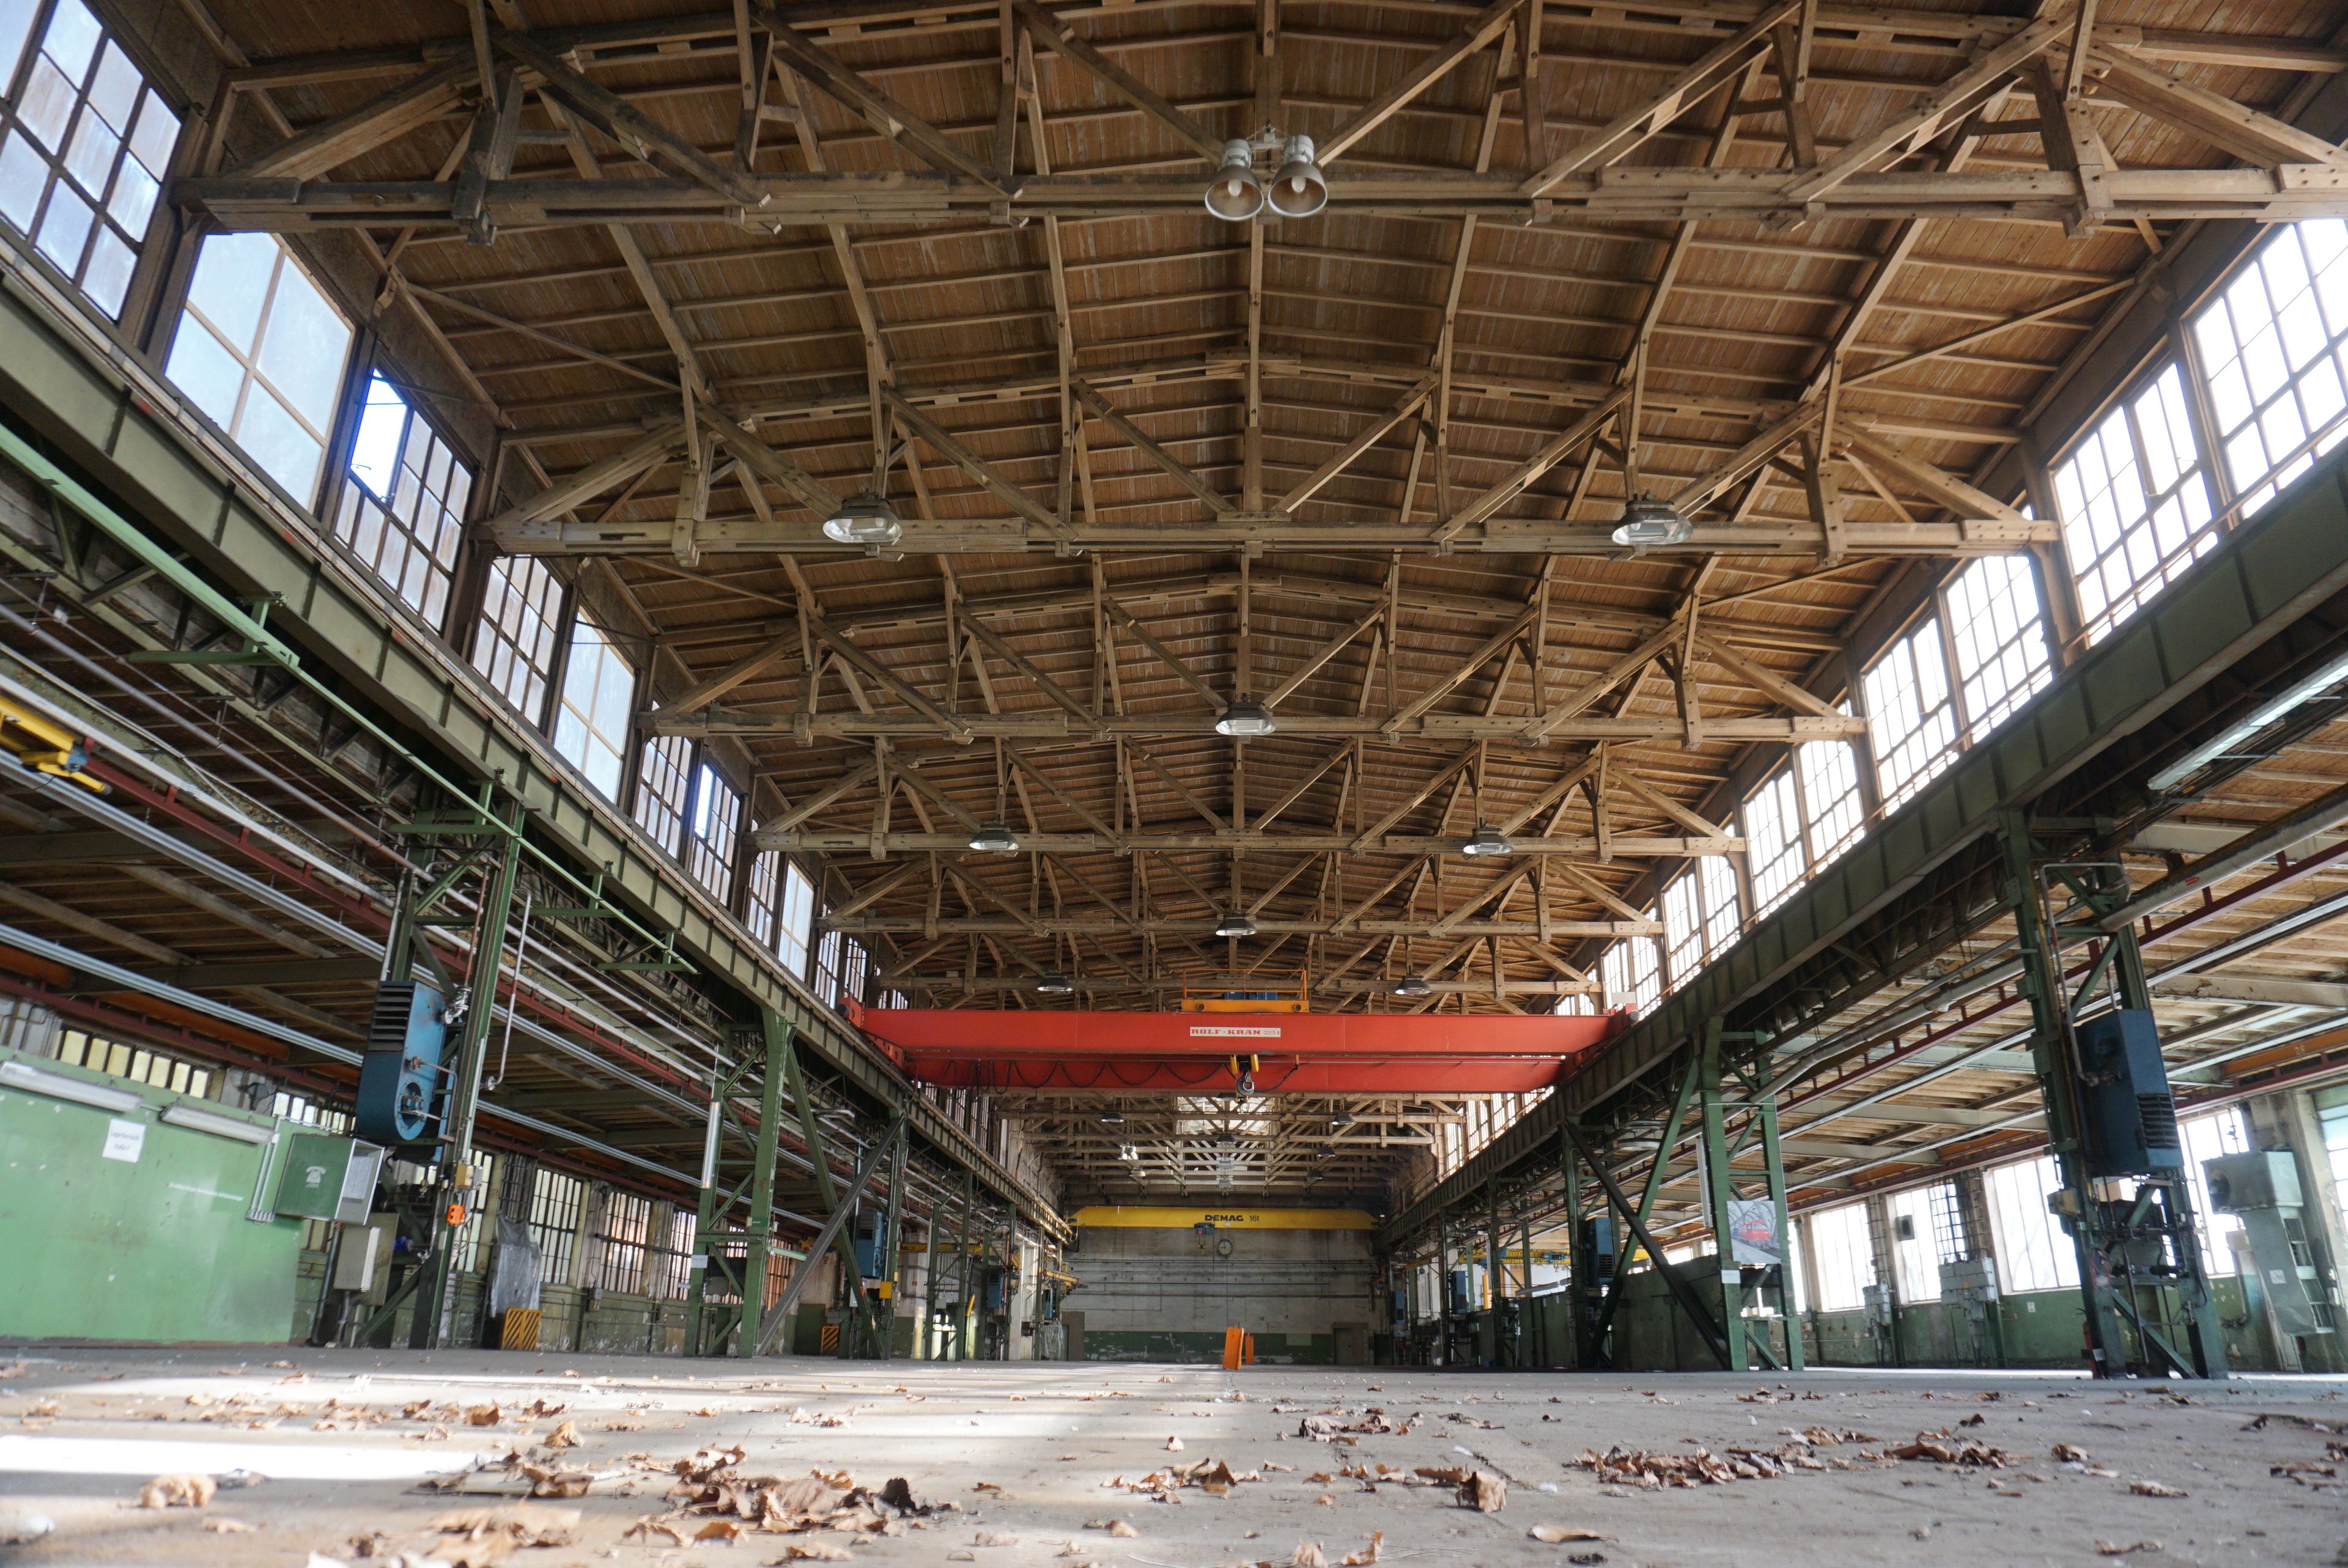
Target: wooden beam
(1057, 36)
(1367, 437)
(1482, 29)
(1551, 452)
(646, 451)
(885, 113)
(1089, 396)
(384, 119)
(1713, 69)
(872, 670)
(643, 136)
(1955, 98)
(2230, 128)
(972, 464)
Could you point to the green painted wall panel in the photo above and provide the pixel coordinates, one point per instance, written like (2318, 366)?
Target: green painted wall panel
(159, 1249)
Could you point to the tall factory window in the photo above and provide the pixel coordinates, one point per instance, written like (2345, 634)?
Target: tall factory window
(1844, 1260)
(406, 514)
(712, 830)
(554, 1208)
(88, 143)
(1700, 917)
(1909, 711)
(1773, 855)
(522, 608)
(764, 895)
(795, 927)
(2272, 347)
(1832, 812)
(622, 1234)
(663, 776)
(260, 350)
(599, 693)
(1632, 974)
(2000, 638)
(668, 1267)
(2134, 506)
(2033, 1253)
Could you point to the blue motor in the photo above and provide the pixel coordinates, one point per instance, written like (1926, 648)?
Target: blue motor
(402, 1078)
(2131, 1115)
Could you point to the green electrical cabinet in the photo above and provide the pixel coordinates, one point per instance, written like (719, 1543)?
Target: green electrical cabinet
(321, 1177)
(125, 1213)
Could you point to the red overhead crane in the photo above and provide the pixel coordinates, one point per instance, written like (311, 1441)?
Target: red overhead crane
(1210, 1053)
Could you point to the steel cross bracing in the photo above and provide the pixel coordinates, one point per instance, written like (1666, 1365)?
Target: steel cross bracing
(1860, 1011)
(696, 332)
(676, 1089)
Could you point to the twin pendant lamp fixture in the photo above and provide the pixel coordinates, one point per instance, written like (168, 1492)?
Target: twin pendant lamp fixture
(1237, 194)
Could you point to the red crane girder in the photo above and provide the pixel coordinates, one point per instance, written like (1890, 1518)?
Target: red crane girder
(1204, 1053)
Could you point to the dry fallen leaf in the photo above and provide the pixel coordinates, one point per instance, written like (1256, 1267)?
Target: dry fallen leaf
(2070, 1454)
(813, 1551)
(1173, 1445)
(1484, 1491)
(2115, 1549)
(481, 1415)
(223, 1526)
(178, 1492)
(1366, 1555)
(726, 1530)
(521, 1523)
(2155, 1489)
(1307, 1555)
(1553, 1533)
(994, 1538)
(566, 1436)
(645, 1529)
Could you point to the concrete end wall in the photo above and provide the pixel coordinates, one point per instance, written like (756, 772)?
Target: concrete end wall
(1150, 1294)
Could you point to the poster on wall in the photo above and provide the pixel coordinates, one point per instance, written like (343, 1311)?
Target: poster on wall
(1752, 1233)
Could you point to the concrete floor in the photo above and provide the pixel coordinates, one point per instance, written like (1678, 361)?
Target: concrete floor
(1050, 1435)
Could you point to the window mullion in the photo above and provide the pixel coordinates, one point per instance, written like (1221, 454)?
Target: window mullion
(2202, 418)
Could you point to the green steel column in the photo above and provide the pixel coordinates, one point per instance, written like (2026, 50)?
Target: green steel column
(1656, 1175)
(1532, 1338)
(1442, 1288)
(714, 1204)
(761, 1228)
(1577, 1262)
(963, 1313)
(2042, 983)
(885, 1312)
(925, 1339)
(1495, 1274)
(1773, 1161)
(465, 1087)
(826, 1192)
(1718, 1191)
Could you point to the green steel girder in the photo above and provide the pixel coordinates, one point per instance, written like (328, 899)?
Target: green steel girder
(2172, 666)
(99, 408)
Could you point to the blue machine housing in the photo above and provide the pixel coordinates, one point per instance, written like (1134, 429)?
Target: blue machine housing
(2130, 1114)
(403, 1078)
(871, 1244)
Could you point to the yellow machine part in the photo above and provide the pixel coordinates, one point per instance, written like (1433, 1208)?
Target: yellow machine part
(39, 743)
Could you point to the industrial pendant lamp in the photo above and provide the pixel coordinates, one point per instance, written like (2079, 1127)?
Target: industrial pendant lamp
(1235, 194)
(1647, 521)
(865, 518)
(1235, 924)
(1484, 842)
(1246, 720)
(1299, 189)
(994, 837)
(1413, 986)
(1053, 983)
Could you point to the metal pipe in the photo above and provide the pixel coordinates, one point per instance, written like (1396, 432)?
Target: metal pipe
(2324, 812)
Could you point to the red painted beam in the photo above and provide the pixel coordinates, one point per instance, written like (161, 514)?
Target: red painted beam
(1191, 1054)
